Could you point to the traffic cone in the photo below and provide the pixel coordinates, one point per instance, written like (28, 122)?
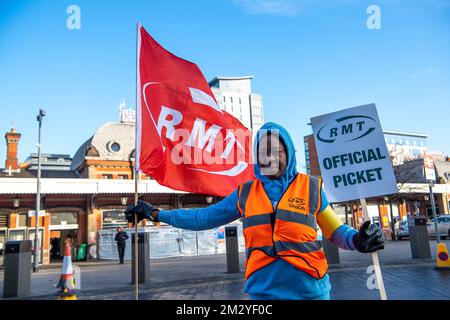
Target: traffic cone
(443, 261)
(67, 281)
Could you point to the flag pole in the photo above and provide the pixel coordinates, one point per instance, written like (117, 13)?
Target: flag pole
(375, 261)
(136, 172)
(136, 252)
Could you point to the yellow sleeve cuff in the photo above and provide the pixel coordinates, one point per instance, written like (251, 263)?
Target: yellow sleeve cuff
(328, 221)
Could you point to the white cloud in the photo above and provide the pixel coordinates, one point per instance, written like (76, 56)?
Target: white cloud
(427, 71)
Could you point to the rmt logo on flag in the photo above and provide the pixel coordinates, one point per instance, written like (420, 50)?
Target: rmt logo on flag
(183, 139)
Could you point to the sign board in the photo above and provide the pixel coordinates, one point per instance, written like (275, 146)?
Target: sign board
(353, 157)
(428, 163)
(32, 213)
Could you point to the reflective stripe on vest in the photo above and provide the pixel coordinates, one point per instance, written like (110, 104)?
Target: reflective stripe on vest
(293, 236)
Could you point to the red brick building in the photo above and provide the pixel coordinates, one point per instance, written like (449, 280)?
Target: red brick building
(90, 197)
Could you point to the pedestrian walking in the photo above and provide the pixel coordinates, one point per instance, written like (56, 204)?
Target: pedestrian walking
(280, 211)
(121, 239)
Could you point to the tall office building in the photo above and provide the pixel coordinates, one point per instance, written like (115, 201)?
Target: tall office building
(234, 95)
(404, 146)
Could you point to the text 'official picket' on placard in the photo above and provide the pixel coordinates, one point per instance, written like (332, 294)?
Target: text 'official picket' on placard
(357, 157)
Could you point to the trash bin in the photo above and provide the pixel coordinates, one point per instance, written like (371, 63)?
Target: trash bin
(17, 274)
(418, 235)
(232, 248)
(143, 257)
(81, 255)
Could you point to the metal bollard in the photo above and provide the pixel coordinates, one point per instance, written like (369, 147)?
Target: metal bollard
(143, 257)
(17, 275)
(232, 248)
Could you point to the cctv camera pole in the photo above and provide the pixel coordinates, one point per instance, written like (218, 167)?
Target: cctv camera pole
(38, 196)
(433, 207)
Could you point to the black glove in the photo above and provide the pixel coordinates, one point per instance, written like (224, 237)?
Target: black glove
(369, 239)
(143, 210)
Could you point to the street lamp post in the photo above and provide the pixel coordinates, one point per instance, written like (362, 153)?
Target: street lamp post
(433, 208)
(38, 195)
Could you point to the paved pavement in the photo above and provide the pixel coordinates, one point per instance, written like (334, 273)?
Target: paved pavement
(205, 277)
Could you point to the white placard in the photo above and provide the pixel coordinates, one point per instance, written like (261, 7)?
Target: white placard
(352, 153)
(32, 213)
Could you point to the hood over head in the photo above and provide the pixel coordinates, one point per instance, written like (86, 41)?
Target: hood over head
(276, 187)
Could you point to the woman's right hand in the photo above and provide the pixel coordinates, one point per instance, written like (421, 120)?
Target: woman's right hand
(143, 210)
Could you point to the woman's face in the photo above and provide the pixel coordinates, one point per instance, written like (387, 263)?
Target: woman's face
(272, 156)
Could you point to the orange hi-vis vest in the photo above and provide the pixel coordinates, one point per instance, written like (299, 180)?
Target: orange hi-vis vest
(289, 232)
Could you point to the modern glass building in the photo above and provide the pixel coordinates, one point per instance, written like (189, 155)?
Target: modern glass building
(405, 145)
(235, 96)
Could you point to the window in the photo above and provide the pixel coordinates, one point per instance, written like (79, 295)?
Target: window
(63, 218)
(231, 99)
(239, 100)
(2, 241)
(107, 176)
(16, 235)
(224, 99)
(113, 219)
(123, 176)
(3, 220)
(22, 219)
(115, 147)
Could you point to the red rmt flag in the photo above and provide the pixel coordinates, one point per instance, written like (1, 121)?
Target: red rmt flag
(183, 139)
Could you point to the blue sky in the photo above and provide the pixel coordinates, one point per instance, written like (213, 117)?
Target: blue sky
(308, 58)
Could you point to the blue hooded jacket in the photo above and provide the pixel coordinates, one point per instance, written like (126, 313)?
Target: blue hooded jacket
(278, 280)
(275, 188)
(281, 280)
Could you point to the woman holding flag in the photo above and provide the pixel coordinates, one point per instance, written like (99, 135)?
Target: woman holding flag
(281, 210)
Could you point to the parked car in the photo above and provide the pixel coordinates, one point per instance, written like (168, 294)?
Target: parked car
(443, 227)
(403, 230)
